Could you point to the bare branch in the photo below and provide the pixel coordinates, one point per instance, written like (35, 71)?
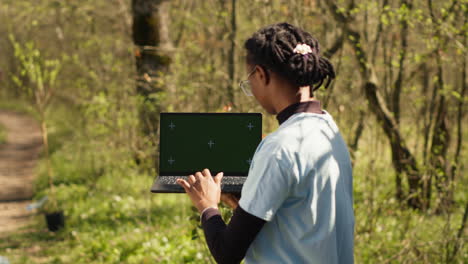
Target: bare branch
(401, 67)
(337, 45)
(403, 160)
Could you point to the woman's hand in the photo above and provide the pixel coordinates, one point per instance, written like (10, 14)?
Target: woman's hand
(203, 189)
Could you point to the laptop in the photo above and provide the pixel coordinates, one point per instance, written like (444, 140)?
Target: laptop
(221, 142)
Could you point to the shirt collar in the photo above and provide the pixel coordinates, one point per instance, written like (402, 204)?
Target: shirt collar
(302, 107)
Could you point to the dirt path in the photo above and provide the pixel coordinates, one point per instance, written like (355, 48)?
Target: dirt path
(18, 160)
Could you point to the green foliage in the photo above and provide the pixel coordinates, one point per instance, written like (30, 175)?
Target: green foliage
(386, 231)
(37, 75)
(103, 166)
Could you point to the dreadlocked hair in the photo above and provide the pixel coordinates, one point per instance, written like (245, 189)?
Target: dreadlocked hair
(273, 48)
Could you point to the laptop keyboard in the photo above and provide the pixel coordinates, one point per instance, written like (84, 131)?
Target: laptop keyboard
(229, 183)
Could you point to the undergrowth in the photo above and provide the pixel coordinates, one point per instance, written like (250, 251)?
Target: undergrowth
(111, 216)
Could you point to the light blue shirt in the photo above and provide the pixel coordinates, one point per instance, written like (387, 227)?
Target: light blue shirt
(300, 182)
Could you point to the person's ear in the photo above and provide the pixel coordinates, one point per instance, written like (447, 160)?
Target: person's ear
(263, 74)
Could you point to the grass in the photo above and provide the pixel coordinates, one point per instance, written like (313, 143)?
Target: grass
(3, 135)
(386, 231)
(111, 217)
(18, 105)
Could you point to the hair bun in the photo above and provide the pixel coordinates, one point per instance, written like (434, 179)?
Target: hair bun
(305, 69)
(291, 53)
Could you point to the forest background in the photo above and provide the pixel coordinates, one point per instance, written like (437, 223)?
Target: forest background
(97, 73)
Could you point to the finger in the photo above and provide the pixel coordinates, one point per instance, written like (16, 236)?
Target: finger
(218, 178)
(191, 179)
(206, 173)
(184, 184)
(198, 176)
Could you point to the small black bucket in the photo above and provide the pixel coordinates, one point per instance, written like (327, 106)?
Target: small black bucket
(55, 221)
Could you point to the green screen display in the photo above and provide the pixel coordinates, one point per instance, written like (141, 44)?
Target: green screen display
(226, 142)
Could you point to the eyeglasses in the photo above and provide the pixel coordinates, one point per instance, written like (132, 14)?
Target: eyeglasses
(245, 85)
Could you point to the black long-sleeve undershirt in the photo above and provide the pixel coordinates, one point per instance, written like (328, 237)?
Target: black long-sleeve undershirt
(229, 243)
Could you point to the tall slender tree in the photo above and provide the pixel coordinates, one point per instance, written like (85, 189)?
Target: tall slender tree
(403, 160)
(232, 53)
(150, 35)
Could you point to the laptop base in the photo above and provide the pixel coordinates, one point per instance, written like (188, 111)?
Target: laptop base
(168, 184)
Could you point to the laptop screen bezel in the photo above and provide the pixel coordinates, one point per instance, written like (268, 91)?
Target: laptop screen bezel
(185, 173)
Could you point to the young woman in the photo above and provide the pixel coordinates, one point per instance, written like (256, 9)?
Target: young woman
(297, 202)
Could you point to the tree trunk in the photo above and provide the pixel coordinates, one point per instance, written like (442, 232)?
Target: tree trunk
(425, 83)
(379, 31)
(402, 159)
(151, 38)
(460, 111)
(401, 67)
(440, 135)
(232, 54)
(50, 175)
(439, 147)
